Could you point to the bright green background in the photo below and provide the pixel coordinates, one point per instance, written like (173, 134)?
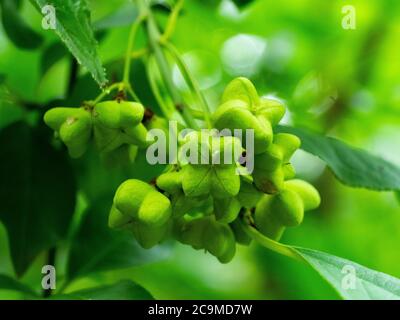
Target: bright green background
(345, 83)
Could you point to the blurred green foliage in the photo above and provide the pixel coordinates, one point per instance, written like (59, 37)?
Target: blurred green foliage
(340, 82)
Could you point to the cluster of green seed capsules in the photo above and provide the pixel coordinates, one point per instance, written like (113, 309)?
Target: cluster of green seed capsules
(112, 126)
(200, 204)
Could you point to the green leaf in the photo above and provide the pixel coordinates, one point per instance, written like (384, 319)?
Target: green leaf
(74, 28)
(8, 283)
(369, 284)
(352, 166)
(37, 193)
(17, 30)
(95, 247)
(123, 290)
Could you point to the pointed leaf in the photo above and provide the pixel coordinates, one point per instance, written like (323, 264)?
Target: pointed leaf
(351, 280)
(352, 166)
(369, 284)
(73, 26)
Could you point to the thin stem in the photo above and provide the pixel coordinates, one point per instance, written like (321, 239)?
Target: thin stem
(131, 41)
(154, 88)
(139, 53)
(190, 81)
(171, 24)
(106, 92)
(154, 36)
(269, 243)
(197, 114)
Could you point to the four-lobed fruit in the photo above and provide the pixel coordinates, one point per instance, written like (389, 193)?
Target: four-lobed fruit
(273, 167)
(111, 124)
(116, 126)
(214, 176)
(285, 209)
(211, 235)
(171, 183)
(243, 109)
(226, 210)
(142, 209)
(116, 123)
(74, 126)
(241, 236)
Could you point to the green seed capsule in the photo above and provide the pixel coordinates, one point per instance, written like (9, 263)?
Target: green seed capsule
(75, 132)
(170, 182)
(289, 207)
(55, 117)
(74, 127)
(136, 135)
(182, 205)
(106, 139)
(143, 203)
(272, 110)
(288, 144)
(288, 171)
(116, 115)
(155, 209)
(248, 195)
(309, 195)
(272, 167)
(266, 220)
(226, 210)
(130, 195)
(229, 252)
(235, 114)
(117, 123)
(117, 220)
(241, 89)
(131, 113)
(192, 232)
(269, 182)
(219, 240)
(269, 161)
(274, 213)
(148, 236)
(225, 149)
(240, 235)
